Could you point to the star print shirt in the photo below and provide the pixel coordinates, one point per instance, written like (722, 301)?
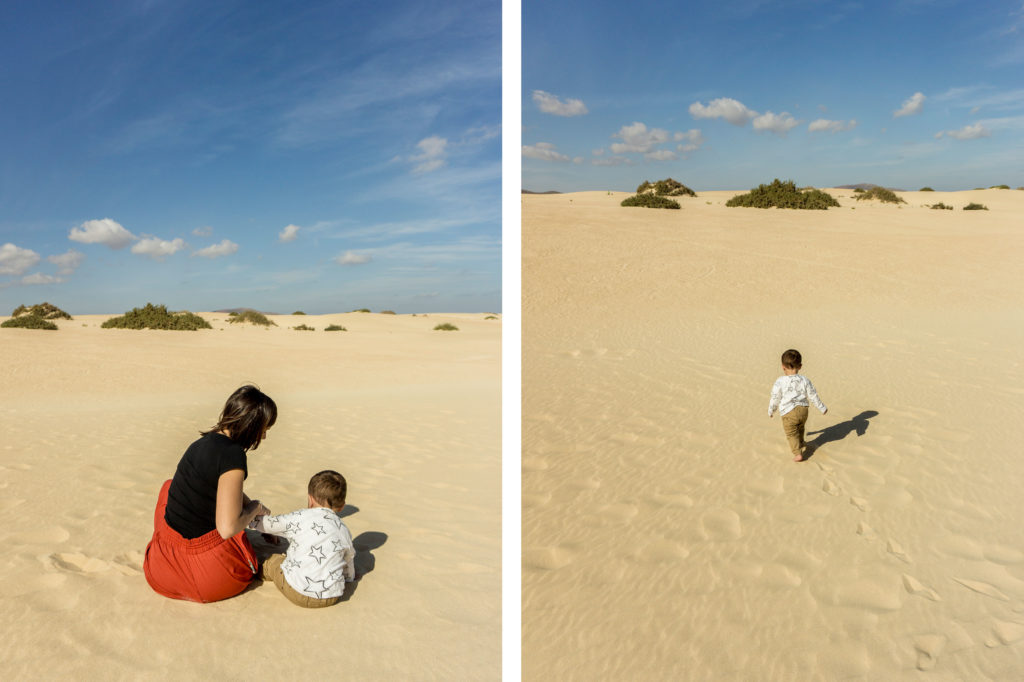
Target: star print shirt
(320, 556)
(791, 390)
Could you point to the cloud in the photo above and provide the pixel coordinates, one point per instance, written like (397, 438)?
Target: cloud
(637, 138)
(40, 278)
(157, 248)
(779, 124)
(545, 151)
(550, 104)
(968, 132)
(289, 233)
(690, 141)
(15, 260)
(661, 155)
(203, 231)
(352, 258)
(104, 231)
(611, 161)
(67, 262)
(731, 110)
(226, 247)
(432, 154)
(824, 124)
(911, 106)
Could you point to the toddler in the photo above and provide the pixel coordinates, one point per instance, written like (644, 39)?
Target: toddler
(790, 395)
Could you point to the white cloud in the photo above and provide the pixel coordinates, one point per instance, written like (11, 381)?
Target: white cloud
(67, 262)
(689, 141)
(15, 260)
(203, 231)
(824, 124)
(157, 248)
(40, 278)
(912, 105)
(968, 132)
(550, 104)
(431, 156)
(731, 110)
(289, 233)
(637, 138)
(353, 258)
(226, 247)
(104, 231)
(578, 160)
(545, 151)
(780, 124)
(661, 155)
(611, 161)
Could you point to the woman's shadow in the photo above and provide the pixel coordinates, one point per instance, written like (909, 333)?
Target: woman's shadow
(839, 431)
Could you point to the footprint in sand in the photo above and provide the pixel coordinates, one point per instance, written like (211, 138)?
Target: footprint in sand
(79, 563)
(896, 550)
(916, 588)
(824, 467)
(866, 531)
(1005, 633)
(547, 558)
(982, 588)
(928, 649)
(831, 487)
(860, 503)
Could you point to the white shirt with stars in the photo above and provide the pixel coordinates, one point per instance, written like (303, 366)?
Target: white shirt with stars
(320, 558)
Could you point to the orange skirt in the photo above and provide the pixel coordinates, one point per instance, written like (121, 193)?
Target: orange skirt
(204, 569)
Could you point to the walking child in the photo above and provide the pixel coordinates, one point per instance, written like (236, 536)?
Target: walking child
(791, 395)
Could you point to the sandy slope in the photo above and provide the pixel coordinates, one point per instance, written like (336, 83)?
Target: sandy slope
(666, 532)
(95, 420)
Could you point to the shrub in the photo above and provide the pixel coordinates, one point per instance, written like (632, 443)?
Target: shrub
(672, 188)
(446, 327)
(298, 312)
(942, 205)
(361, 310)
(335, 328)
(650, 201)
(387, 312)
(926, 189)
(999, 187)
(253, 317)
(783, 195)
(156, 317)
(975, 207)
(29, 322)
(304, 328)
(858, 190)
(643, 187)
(882, 194)
(46, 311)
(491, 317)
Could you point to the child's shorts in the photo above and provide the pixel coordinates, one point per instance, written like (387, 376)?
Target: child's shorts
(204, 569)
(272, 571)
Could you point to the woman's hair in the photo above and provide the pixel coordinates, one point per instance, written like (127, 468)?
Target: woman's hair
(329, 489)
(247, 414)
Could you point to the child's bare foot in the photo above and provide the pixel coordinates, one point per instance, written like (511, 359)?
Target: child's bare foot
(798, 458)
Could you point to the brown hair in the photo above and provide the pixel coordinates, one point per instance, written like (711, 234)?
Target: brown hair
(247, 414)
(328, 488)
(791, 359)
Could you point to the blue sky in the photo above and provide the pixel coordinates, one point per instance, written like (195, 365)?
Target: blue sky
(728, 95)
(316, 156)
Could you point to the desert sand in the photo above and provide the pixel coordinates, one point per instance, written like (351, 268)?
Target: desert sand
(94, 420)
(667, 533)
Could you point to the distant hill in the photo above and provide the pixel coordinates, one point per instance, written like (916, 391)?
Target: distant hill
(866, 186)
(550, 191)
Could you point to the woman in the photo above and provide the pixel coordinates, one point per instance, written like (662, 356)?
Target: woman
(199, 551)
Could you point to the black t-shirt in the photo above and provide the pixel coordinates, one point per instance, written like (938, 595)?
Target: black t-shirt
(192, 497)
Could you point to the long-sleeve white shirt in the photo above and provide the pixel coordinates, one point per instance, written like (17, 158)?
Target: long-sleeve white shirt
(320, 556)
(791, 390)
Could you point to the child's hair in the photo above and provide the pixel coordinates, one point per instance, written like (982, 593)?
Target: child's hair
(791, 359)
(328, 488)
(247, 414)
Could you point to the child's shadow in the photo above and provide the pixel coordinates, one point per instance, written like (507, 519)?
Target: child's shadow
(364, 561)
(839, 431)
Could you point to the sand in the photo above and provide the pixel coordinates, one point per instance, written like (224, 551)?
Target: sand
(94, 420)
(667, 534)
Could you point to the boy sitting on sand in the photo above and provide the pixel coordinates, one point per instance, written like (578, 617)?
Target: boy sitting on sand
(790, 394)
(319, 560)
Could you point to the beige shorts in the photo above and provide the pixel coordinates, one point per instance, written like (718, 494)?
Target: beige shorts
(271, 570)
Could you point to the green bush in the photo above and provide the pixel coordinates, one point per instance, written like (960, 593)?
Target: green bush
(46, 311)
(783, 195)
(491, 317)
(882, 194)
(650, 201)
(29, 322)
(253, 317)
(361, 310)
(941, 205)
(446, 327)
(975, 207)
(643, 187)
(387, 312)
(335, 328)
(926, 189)
(156, 317)
(304, 328)
(999, 187)
(298, 312)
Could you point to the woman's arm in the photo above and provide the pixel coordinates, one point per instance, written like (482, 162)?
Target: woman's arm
(234, 512)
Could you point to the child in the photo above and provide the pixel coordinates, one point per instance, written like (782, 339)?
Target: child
(790, 394)
(319, 560)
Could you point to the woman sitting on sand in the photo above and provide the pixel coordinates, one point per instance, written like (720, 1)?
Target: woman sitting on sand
(199, 551)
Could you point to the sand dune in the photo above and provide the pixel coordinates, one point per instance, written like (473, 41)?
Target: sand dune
(95, 420)
(666, 532)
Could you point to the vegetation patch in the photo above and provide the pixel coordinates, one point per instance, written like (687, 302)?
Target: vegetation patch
(46, 311)
(298, 312)
(665, 188)
(29, 322)
(882, 194)
(999, 187)
(926, 189)
(252, 317)
(650, 201)
(446, 327)
(157, 317)
(942, 206)
(975, 207)
(335, 328)
(304, 328)
(781, 194)
(361, 310)
(387, 312)
(491, 317)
